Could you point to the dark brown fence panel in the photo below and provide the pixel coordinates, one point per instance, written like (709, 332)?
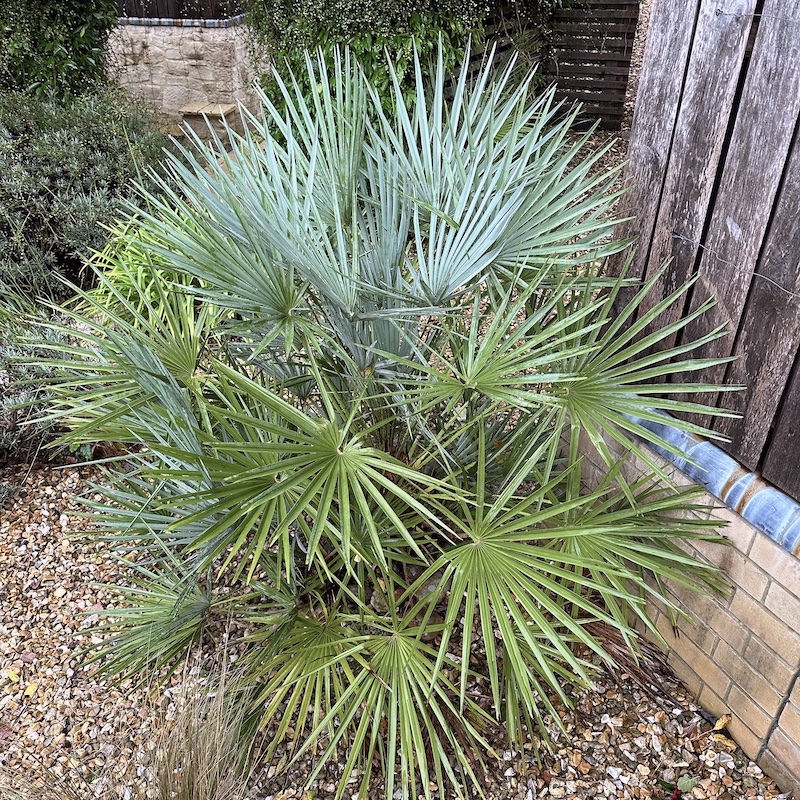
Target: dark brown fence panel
(715, 165)
(592, 45)
(782, 463)
(180, 9)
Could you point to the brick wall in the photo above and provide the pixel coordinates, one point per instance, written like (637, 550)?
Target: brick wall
(740, 653)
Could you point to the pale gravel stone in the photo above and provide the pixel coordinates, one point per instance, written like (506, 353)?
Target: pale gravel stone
(618, 742)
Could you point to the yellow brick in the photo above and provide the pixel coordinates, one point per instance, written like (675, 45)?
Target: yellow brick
(738, 568)
(766, 662)
(782, 566)
(781, 761)
(785, 605)
(743, 736)
(710, 616)
(749, 715)
(760, 688)
(795, 697)
(740, 532)
(775, 633)
(789, 723)
(706, 668)
(712, 702)
(687, 675)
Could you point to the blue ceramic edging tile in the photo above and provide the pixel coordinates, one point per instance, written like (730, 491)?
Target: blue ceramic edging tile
(748, 494)
(154, 22)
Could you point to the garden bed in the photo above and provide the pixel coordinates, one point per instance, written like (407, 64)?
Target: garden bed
(622, 740)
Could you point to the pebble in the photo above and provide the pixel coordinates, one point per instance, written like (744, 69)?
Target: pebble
(619, 741)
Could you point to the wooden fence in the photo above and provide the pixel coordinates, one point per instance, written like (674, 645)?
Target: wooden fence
(715, 166)
(180, 9)
(591, 47)
(585, 49)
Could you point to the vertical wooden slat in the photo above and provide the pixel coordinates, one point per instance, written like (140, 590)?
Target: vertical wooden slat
(715, 63)
(766, 117)
(782, 465)
(769, 333)
(657, 101)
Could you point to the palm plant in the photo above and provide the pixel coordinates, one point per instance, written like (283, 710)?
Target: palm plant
(353, 359)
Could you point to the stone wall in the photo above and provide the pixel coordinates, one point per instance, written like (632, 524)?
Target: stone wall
(173, 66)
(740, 653)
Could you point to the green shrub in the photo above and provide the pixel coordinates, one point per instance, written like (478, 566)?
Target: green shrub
(22, 379)
(284, 29)
(54, 46)
(360, 359)
(24, 438)
(66, 166)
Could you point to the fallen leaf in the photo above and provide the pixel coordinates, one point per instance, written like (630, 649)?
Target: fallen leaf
(723, 740)
(11, 675)
(692, 728)
(5, 732)
(30, 689)
(722, 722)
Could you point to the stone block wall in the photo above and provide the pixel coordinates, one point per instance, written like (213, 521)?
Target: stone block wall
(740, 653)
(175, 65)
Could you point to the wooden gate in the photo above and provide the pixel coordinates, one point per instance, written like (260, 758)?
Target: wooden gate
(715, 169)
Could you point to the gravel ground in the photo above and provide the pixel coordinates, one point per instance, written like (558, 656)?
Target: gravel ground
(621, 741)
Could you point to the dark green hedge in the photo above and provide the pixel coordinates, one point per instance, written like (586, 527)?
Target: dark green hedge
(54, 45)
(283, 28)
(372, 28)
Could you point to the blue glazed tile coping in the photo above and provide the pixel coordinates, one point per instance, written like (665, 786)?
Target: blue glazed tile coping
(747, 493)
(182, 23)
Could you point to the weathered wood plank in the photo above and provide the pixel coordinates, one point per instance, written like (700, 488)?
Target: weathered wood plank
(615, 24)
(596, 88)
(766, 118)
(569, 70)
(594, 43)
(614, 27)
(579, 56)
(769, 332)
(591, 5)
(609, 82)
(616, 41)
(657, 101)
(715, 62)
(781, 465)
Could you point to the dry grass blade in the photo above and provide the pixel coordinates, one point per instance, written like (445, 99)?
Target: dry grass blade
(647, 669)
(204, 757)
(200, 755)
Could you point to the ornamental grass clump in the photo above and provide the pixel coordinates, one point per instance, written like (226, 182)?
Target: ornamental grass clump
(355, 360)
(201, 753)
